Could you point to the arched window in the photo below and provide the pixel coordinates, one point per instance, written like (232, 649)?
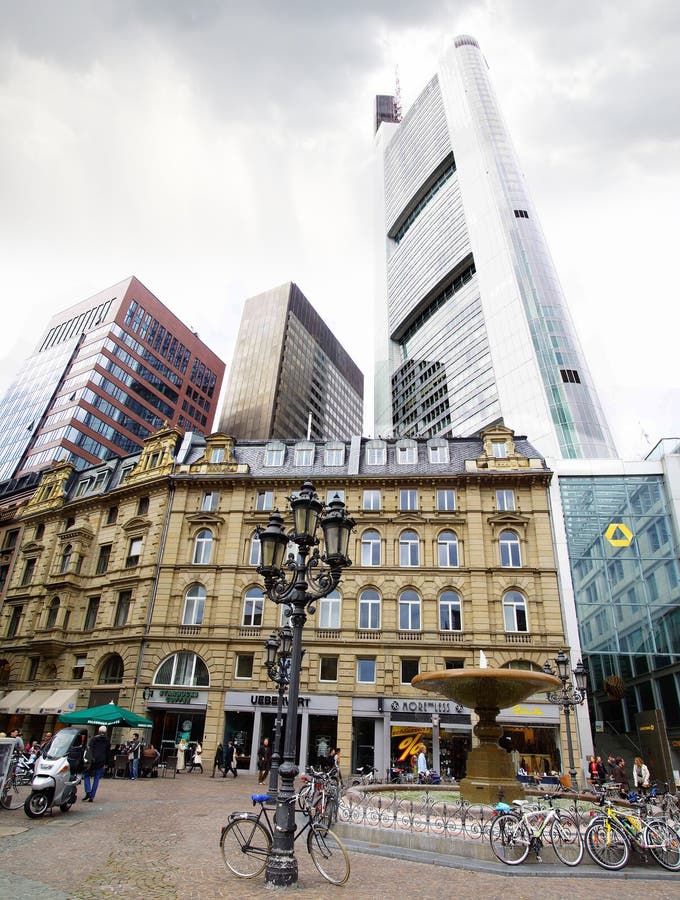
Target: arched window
(203, 547)
(253, 608)
(66, 555)
(329, 610)
(369, 609)
(255, 550)
(52, 613)
(112, 671)
(370, 548)
(184, 668)
(449, 611)
(510, 553)
(409, 611)
(194, 605)
(447, 548)
(515, 612)
(408, 549)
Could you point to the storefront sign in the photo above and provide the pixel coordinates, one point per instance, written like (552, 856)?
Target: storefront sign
(442, 707)
(178, 696)
(166, 697)
(269, 700)
(313, 704)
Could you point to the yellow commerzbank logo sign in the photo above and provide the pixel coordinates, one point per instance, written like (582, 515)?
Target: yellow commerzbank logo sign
(619, 535)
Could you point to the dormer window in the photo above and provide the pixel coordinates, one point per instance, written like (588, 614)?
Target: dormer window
(274, 454)
(217, 455)
(500, 449)
(334, 454)
(407, 453)
(438, 450)
(304, 454)
(376, 453)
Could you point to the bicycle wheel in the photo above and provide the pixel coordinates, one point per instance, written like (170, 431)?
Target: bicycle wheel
(606, 844)
(328, 854)
(329, 813)
(565, 837)
(510, 839)
(245, 845)
(14, 794)
(663, 843)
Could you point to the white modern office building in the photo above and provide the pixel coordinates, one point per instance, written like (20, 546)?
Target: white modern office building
(473, 327)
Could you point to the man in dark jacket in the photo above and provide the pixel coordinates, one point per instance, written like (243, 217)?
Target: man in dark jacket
(230, 760)
(98, 751)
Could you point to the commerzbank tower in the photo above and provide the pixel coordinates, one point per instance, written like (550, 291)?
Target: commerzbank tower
(473, 327)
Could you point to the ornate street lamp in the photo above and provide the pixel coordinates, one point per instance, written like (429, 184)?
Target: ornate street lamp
(277, 660)
(573, 693)
(297, 582)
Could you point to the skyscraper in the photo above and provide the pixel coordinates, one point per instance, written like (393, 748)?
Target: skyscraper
(289, 374)
(107, 373)
(473, 327)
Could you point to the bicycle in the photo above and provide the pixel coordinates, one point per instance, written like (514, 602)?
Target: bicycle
(319, 796)
(364, 775)
(14, 791)
(246, 842)
(515, 832)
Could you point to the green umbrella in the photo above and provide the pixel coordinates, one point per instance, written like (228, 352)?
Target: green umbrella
(108, 714)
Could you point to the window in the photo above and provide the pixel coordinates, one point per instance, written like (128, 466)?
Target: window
(255, 550)
(449, 611)
(33, 666)
(142, 506)
(514, 612)
(134, 552)
(273, 454)
(407, 453)
(408, 499)
(244, 665)
(203, 547)
(447, 548)
(446, 500)
(217, 455)
(408, 548)
(14, 621)
(112, 515)
(52, 613)
(409, 611)
(66, 555)
(83, 487)
(409, 670)
(454, 663)
(122, 609)
(371, 500)
(329, 610)
(505, 500)
(369, 609)
(376, 453)
(4, 572)
(194, 605)
(500, 449)
(328, 668)
(265, 500)
(184, 668)
(11, 538)
(366, 670)
(521, 214)
(79, 667)
(253, 607)
(570, 376)
(334, 454)
(104, 557)
(39, 532)
(509, 544)
(29, 569)
(370, 548)
(304, 455)
(210, 501)
(91, 614)
(112, 671)
(438, 450)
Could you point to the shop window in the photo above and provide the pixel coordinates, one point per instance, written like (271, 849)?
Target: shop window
(328, 668)
(244, 665)
(366, 670)
(194, 605)
(409, 670)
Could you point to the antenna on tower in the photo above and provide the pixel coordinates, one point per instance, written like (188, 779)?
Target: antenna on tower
(397, 96)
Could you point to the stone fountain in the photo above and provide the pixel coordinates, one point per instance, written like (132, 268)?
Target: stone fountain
(490, 774)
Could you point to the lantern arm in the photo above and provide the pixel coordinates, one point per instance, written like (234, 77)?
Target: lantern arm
(280, 586)
(321, 579)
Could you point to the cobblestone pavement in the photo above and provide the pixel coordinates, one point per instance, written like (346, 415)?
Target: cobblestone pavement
(158, 838)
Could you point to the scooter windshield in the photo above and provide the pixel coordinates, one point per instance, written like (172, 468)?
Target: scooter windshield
(61, 743)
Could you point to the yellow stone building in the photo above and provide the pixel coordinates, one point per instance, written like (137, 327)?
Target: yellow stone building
(135, 581)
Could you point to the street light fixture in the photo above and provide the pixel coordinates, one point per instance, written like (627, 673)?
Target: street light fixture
(277, 661)
(297, 582)
(573, 693)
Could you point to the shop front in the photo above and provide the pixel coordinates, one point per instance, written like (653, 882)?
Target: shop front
(249, 718)
(531, 732)
(176, 714)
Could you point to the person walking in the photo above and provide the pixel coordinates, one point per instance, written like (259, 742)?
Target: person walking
(98, 751)
(620, 777)
(230, 760)
(640, 774)
(421, 763)
(196, 762)
(264, 761)
(134, 750)
(218, 764)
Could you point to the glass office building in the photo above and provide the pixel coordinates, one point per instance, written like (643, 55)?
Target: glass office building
(290, 377)
(472, 326)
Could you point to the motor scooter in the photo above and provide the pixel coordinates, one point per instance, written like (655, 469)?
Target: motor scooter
(57, 773)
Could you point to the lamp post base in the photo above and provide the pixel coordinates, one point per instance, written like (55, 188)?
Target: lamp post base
(282, 869)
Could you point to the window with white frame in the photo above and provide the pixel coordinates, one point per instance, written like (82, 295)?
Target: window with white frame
(210, 501)
(510, 550)
(329, 610)
(134, 552)
(366, 670)
(328, 668)
(409, 549)
(505, 500)
(185, 669)
(244, 665)
(369, 610)
(370, 548)
(255, 550)
(217, 455)
(203, 547)
(500, 449)
(409, 670)
(331, 495)
(446, 499)
(438, 450)
(264, 501)
(409, 611)
(449, 611)
(371, 500)
(514, 612)
(194, 605)
(274, 454)
(447, 549)
(334, 454)
(376, 453)
(304, 455)
(407, 453)
(408, 499)
(253, 608)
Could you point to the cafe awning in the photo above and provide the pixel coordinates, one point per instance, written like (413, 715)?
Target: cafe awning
(10, 701)
(32, 703)
(60, 702)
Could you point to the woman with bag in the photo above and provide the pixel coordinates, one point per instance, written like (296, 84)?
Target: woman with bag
(196, 758)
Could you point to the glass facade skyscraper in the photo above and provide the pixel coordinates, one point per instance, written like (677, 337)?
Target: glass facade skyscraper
(472, 326)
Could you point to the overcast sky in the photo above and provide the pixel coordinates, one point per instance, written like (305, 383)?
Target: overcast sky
(217, 149)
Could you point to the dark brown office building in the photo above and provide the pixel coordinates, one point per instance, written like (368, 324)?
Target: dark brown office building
(289, 375)
(106, 374)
